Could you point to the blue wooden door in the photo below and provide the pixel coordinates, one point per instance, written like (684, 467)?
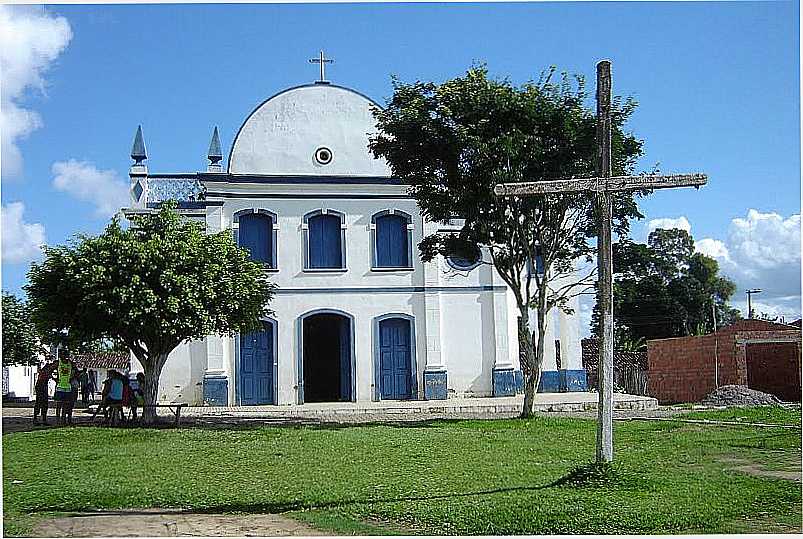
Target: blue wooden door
(256, 367)
(345, 359)
(395, 364)
(256, 235)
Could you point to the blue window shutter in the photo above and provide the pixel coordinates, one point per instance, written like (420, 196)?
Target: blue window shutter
(325, 242)
(391, 242)
(256, 235)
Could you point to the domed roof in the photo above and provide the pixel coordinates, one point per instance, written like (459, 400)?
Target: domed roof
(317, 129)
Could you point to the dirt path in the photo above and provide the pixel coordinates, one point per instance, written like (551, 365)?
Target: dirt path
(167, 523)
(759, 470)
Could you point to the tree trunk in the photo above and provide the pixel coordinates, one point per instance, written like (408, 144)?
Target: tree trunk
(150, 389)
(527, 362)
(532, 358)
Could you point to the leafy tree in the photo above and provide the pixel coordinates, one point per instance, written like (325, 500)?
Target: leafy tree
(451, 143)
(21, 342)
(154, 285)
(666, 289)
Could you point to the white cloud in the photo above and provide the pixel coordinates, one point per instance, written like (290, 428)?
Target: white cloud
(761, 251)
(669, 222)
(21, 241)
(30, 41)
(103, 188)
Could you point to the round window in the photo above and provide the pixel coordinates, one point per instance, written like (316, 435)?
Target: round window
(323, 155)
(464, 258)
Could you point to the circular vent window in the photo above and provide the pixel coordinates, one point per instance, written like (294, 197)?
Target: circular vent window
(323, 156)
(464, 257)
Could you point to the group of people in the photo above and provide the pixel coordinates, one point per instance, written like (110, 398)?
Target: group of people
(120, 392)
(117, 392)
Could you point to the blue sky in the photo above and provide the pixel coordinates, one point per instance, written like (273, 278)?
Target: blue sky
(717, 83)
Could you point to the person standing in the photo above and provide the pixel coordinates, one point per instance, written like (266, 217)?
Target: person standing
(63, 394)
(83, 381)
(70, 403)
(91, 385)
(40, 388)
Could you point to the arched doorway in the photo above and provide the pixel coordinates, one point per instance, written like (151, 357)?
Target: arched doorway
(395, 357)
(326, 358)
(255, 378)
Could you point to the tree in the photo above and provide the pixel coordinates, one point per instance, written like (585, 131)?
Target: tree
(158, 283)
(666, 289)
(451, 143)
(21, 342)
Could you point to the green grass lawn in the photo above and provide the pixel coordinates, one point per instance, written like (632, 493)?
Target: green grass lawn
(440, 477)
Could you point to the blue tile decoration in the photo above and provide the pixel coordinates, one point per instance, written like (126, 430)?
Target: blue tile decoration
(435, 385)
(216, 390)
(504, 384)
(518, 381)
(574, 380)
(161, 189)
(550, 382)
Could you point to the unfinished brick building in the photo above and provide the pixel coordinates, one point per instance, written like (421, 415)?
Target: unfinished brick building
(761, 355)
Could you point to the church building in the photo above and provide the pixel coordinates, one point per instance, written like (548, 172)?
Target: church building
(358, 315)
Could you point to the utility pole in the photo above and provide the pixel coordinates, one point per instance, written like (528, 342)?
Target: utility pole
(603, 186)
(750, 293)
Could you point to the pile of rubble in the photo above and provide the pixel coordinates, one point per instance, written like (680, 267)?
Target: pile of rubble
(738, 396)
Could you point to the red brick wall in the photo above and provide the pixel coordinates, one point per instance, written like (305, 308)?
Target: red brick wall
(682, 369)
(775, 368)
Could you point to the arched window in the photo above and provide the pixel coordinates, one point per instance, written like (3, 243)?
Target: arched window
(392, 239)
(256, 231)
(324, 240)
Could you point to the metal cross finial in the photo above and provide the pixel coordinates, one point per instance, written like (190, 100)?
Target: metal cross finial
(323, 61)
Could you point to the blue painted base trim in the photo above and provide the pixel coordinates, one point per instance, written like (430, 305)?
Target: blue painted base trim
(216, 390)
(518, 381)
(435, 385)
(574, 380)
(504, 383)
(550, 382)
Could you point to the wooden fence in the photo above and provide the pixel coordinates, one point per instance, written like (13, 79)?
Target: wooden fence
(629, 368)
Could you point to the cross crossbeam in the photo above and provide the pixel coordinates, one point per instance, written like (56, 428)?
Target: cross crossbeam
(602, 186)
(596, 185)
(323, 61)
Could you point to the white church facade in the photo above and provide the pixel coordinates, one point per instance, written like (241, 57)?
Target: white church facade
(357, 315)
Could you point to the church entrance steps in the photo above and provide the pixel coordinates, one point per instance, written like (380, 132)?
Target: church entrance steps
(460, 407)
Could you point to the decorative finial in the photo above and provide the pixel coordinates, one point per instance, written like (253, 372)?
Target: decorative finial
(323, 61)
(138, 149)
(214, 154)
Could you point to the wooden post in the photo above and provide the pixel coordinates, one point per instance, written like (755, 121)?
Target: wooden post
(605, 267)
(603, 186)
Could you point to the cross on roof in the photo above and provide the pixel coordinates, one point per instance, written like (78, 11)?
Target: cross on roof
(323, 61)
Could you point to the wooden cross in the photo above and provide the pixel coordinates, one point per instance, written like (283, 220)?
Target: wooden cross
(323, 61)
(603, 185)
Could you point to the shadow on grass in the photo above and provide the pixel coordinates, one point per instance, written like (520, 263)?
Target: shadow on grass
(590, 475)
(237, 424)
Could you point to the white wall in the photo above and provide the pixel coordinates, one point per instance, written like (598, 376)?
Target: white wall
(282, 134)
(21, 380)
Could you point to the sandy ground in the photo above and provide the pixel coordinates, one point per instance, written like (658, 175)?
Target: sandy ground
(165, 523)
